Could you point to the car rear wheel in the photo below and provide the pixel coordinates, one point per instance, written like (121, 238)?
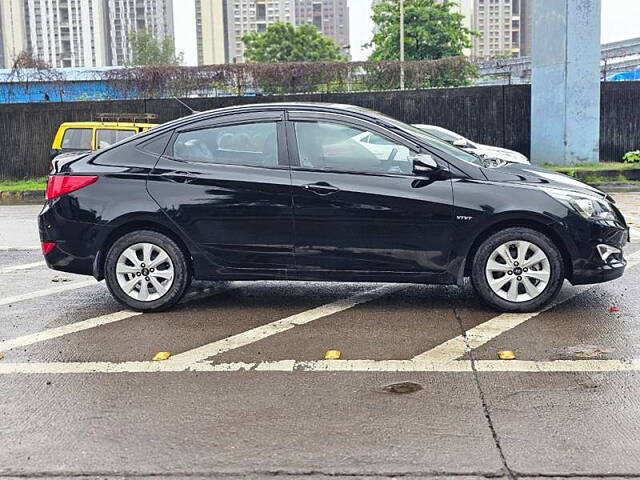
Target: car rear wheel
(147, 271)
(518, 270)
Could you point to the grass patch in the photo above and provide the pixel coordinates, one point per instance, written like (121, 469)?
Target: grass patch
(592, 167)
(23, 185)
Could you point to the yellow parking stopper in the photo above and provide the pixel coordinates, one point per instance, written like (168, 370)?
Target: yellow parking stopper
(332, 355)
(158, 357)
(1, 356)
(506, 355)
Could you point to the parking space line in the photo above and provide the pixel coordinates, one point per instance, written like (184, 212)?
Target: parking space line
(51, 333)
(47, 291)
(255, 334)
(65, 330)
(398, 366)
(26, 266)
(487, 331)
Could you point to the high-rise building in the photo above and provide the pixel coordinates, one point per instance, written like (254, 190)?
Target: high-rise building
(65, 33)
(12, 32)
(80, 33)
(505, 28)
(211, 33)
(125, 16)
(245, 16)
(330, 17)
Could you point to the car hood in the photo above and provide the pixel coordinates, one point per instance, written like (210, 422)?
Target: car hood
(537, 176)
(500, 153)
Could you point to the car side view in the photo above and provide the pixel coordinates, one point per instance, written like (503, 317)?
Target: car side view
(297, 191)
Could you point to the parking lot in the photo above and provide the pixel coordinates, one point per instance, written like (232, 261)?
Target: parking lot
(247, 390)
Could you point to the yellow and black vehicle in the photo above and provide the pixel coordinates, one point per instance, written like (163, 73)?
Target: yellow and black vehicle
(109, 128)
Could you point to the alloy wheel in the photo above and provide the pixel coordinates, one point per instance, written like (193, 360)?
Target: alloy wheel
(518, 271)
(145, 272)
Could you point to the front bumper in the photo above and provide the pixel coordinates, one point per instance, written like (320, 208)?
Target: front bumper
(590, 267)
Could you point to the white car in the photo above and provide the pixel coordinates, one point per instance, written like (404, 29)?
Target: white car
(382, 148)
(491, 153)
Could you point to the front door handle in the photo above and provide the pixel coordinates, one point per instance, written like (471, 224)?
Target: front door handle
(321, 188)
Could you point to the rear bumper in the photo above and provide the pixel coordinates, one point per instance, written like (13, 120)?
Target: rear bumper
(76, 243)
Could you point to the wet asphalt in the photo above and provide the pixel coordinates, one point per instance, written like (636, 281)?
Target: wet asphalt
(301, 423)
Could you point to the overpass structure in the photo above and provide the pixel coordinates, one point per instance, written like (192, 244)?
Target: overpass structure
(615, 57)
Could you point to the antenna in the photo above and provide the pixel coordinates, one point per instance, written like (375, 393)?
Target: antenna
(185, 105)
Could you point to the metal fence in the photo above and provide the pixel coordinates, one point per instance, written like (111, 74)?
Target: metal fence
(497, 115)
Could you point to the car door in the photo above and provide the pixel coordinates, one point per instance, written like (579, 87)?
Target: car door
(356, 212)
(226, 184)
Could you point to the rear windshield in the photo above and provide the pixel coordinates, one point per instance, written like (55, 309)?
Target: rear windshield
(77, 139)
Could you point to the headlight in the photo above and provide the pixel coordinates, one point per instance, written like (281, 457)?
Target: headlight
(591, 208)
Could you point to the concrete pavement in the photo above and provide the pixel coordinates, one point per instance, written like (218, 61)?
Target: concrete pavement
(247, 392)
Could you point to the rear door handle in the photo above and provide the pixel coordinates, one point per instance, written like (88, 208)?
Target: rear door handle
(321, 188)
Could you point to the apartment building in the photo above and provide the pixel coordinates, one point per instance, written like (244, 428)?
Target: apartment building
(331, 17)
(505, 28)
(124, 16)
(211, 32)
(12, 33)
(65, 33)
(221, 24)
(245, 16)
(79, 33)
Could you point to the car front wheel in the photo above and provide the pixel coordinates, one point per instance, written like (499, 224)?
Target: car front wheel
(517, 270)
(147, 271)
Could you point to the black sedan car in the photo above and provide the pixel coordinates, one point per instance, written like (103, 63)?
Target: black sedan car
(320, 192)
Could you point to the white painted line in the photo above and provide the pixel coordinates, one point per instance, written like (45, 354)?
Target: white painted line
(47, 291)
(464, 366)
(487, 331)
(65, 330)
(250, 336)
(19, 249)
(26, 266)
(101, 320)
(558, 366)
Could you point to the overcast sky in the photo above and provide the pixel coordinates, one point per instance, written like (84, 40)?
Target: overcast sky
(620, 20)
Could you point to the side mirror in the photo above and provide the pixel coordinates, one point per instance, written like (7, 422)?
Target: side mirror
(461, 143)
(424, 164)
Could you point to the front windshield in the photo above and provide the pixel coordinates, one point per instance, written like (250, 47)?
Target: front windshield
(436, 142)
(443, 134)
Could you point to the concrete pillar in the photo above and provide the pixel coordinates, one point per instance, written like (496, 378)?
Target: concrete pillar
(565, 90)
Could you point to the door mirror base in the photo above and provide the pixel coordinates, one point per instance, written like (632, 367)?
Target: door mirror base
(424, 164)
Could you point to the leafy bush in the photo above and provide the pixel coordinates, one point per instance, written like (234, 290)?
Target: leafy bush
(287, 77)
(632, 157)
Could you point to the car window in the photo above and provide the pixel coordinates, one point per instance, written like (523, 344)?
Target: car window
(338, 147)
(107, 137)
(78, 139)
(251, 144)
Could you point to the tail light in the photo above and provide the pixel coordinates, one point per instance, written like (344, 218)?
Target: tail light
(62, 184)
(47, 247)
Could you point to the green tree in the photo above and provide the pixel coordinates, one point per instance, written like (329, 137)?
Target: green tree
(432, 31)
(282, 42)
(146, 50)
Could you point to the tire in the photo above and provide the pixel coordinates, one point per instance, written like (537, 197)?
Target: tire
(151, 285)
(490, 264)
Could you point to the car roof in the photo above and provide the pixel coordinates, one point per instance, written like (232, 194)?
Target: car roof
(313, 106)
(108, 125)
